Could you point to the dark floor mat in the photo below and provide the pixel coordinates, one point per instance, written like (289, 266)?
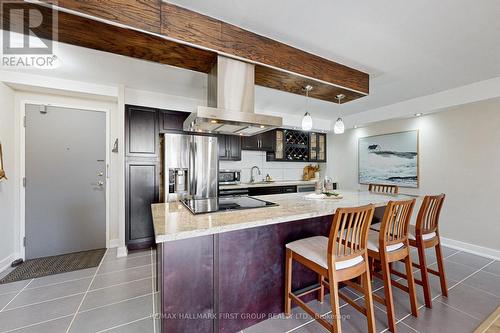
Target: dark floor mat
(39, 267)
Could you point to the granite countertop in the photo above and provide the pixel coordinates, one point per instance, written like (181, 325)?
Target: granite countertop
(271, 184)
(173, 221)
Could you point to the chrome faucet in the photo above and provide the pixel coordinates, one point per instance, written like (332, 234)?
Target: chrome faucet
(252, 178)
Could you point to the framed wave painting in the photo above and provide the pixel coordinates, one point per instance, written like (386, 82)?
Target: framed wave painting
(389, 159)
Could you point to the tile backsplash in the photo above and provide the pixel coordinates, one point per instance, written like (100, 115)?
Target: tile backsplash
(279, 171)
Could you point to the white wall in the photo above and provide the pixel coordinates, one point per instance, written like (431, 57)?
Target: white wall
(459, 156)
(8, 252)
(278, 170)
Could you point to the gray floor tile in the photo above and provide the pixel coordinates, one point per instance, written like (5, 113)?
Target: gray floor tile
(454, 270)
(114, 278)
(114, 294)
(13, 286)
(111, 254)
(430, 254)
(402, 301)
(143, 326)
(485, 281)
(11, 319)
(471, 260)
(472, 301)
(57, 278)
(355, 321)
(30, 296)
(6, 298)
(123, 263)
(53, 326)
(494, 268)
(113, 315)
(442, 318)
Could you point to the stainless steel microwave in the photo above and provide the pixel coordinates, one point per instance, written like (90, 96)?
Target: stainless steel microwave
(229, 177)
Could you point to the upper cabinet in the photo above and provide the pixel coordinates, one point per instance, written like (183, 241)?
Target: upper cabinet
(229, 147)
(172, 121)
(262, 142)
(317, 147)
(141, 131)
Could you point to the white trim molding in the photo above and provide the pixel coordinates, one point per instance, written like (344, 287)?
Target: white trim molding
(121, 252)
(114, 243)
(5, 262)
(471, 248)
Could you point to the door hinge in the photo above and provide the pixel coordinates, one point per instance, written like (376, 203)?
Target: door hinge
(24, 181)
(24, 241)
(43, 109)
(24, 121)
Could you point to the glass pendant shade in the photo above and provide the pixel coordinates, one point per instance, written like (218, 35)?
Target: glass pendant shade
(339, 126)
(307, 122)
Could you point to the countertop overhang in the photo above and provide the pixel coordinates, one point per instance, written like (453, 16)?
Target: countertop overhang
(172, 221)
(267, 184)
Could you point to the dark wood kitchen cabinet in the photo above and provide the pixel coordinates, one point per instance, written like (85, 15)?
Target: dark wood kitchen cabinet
(262, 142)
(229, 147)
(143, 126)
(141, 131)
(317, 147)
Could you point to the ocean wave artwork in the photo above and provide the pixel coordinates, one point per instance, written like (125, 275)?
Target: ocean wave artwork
(389, 159)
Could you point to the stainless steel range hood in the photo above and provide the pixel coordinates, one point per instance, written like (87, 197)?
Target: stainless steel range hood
(230, 107)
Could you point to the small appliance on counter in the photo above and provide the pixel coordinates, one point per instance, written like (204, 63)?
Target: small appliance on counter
(229, 177)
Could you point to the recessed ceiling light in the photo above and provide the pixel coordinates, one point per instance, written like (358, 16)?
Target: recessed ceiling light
(355, 126)
(419, 114)
(262, 126)
(213, 121)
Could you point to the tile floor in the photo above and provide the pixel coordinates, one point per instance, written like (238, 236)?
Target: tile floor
(118, 296)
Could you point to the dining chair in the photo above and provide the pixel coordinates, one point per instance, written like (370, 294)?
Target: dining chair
(338, 258)
(383, 188)
(391, 244)
(423, 235)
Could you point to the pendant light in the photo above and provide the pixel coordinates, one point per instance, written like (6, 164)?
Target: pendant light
(339, 124)
(307, 121)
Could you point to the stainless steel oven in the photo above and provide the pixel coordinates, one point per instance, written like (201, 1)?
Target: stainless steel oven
(229, 177)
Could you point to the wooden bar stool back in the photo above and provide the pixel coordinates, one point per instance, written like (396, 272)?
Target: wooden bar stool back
(340, 257)
(384, 189)
(389, 245)
(425, 234)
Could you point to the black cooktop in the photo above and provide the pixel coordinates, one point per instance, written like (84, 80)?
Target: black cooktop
(201, 206)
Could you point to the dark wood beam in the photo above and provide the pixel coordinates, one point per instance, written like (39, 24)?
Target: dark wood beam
(192, 41)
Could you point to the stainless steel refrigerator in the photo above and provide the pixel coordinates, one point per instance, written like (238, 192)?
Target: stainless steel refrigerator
(191, 167)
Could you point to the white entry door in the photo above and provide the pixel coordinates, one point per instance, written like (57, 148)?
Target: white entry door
(65, 180)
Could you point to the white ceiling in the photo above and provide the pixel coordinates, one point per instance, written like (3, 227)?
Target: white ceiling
(409, 48)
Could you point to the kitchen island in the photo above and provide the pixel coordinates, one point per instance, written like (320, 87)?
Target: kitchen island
(224, 271)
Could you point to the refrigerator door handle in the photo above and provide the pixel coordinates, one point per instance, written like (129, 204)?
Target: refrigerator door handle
(192, 170)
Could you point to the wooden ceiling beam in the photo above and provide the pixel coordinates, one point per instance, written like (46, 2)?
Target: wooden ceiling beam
(192, 40)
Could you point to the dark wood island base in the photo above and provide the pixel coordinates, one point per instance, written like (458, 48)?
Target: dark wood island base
(230, 281)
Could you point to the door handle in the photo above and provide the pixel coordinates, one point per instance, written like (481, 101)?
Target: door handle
(100, 183)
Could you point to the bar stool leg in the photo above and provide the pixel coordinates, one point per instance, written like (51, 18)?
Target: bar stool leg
(370, 315)
(411, 286)
(424, 274)
(389, 303)
(442, 276)
(321, 291)
(335, 303)
(288, 282)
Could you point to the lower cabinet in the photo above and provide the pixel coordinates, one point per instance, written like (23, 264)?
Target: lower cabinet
(141, 191)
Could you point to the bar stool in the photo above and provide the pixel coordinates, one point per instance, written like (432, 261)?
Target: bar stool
(340, 257)
(425, 234)
(382, 188)
(389, 245)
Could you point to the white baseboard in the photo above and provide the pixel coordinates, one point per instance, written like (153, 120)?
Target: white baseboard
(5, 262)
(114, 243)
(121, 252)
(471, 248)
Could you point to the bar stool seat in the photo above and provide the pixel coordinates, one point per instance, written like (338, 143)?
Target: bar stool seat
(316, 249)
(373, 243)
(412, 233)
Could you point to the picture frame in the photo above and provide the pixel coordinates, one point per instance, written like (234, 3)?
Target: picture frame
(391, 159)
(2, 171)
